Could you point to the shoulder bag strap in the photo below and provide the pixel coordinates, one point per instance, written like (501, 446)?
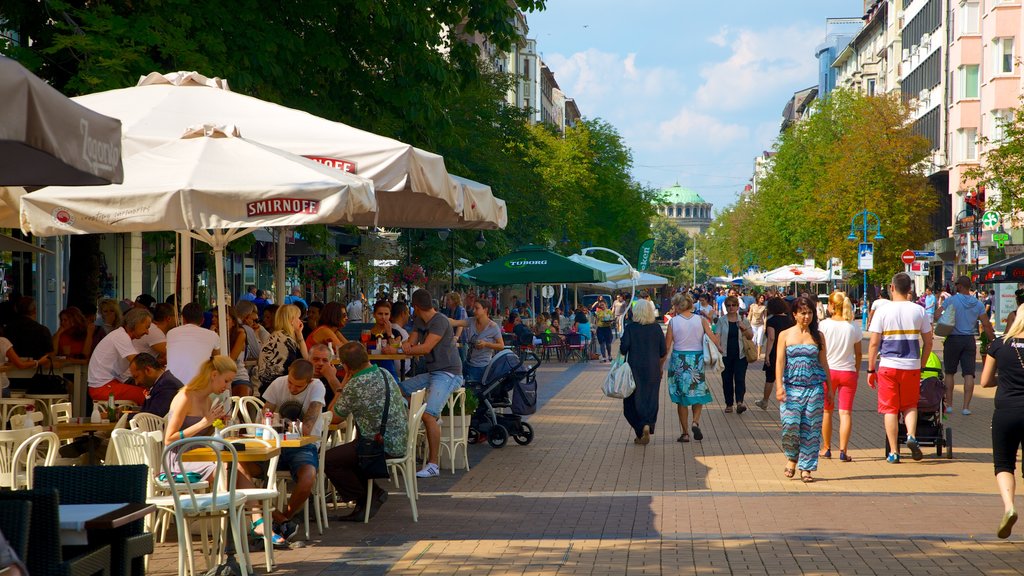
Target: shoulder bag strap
(387, 403)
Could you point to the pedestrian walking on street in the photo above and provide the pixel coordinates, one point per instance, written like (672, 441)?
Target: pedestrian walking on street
(960, 348)
(687, 386)
(1005, 358)
(757, 314)
(844, 357)
(643, 343)
(732, 328)
(802, 382)
(902, 336)
(779, 319)
(605, 322)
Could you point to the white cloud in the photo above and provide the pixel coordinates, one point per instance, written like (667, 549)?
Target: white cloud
(599, 80)
(761, 62)
(721, 39)
(689, 128)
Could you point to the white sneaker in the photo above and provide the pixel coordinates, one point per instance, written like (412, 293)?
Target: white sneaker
(429, 471)
(965, 412)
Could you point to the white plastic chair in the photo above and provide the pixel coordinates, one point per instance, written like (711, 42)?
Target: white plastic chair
(61, 412)
(47, 401)
(453, 435)
(248, 409)
(11, 407)
(10, 441)
(406, 465)
(147, 422)
(135, 447)
(221, 503)
(318, 494)
(265, 496)
(30, 454)
(27, 420)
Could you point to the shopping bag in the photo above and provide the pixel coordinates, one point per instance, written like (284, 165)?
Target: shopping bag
(749, 349)
(946, 322)
(619, 381)
(712, 356)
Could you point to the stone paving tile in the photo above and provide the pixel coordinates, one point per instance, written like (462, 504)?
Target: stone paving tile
(583, 499)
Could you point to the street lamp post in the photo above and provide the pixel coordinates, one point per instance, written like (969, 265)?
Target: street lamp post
(869, 223)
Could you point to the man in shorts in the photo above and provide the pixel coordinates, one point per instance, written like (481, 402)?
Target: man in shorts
(960, 349)
(432, 337)
(298, 386)
(902, 334)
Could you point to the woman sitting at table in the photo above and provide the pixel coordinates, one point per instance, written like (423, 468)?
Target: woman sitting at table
(11, 357)
(111, 317)
(74, 338)
(195, 411)
(330, 321)
(382, 332)
(284, 347)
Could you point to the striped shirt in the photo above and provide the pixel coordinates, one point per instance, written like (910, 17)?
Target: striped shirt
(901, 325)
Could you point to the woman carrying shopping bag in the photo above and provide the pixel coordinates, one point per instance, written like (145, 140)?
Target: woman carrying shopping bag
(687, 386)
(643, 343)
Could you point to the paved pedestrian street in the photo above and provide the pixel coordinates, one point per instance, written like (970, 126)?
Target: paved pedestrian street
(583, 499)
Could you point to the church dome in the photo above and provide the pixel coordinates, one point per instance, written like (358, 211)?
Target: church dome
(679, 195)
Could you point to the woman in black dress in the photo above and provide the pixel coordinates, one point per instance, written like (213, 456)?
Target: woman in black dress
(643, 343)
(779, 319)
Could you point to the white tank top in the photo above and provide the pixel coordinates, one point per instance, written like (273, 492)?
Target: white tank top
(687, 333)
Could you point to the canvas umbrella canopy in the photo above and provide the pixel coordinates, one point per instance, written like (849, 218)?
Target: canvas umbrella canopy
(212, 183)
(1008, 270)
(795, 273)
(614, 271)
(530, 264)
(45, 138)
(413, 186)
(645, 279)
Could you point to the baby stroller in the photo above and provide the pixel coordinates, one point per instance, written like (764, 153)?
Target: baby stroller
(930, 409)
(507, 392)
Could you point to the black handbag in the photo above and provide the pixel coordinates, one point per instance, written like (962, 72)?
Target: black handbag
(370, 454)
(47, 382)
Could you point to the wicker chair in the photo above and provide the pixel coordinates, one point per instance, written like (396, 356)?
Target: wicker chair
(15, 517)
(106, 485)
(45, 557)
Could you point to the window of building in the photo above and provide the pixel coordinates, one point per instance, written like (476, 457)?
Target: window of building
(968, 81)
(969, 21)
(871, 86)
(1003, 52)
(967, 139)
(999, 120)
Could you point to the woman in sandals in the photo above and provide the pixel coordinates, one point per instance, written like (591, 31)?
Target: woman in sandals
(686, 384)
(801, 384)
(844, 356)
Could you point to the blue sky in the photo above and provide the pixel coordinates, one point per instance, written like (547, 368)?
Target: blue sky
(696, 88)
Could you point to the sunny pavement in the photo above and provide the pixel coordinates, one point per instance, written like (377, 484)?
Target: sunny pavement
(583, 499)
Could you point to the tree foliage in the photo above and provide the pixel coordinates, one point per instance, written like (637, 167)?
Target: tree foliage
(854, 153)
(671, 242)
(1002, 169)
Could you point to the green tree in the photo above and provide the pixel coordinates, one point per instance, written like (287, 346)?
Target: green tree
(670, 242)
(855, 152)
(1002, 168)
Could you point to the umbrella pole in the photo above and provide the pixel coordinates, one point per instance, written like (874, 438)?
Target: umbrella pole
(279, 267)
(186, 271)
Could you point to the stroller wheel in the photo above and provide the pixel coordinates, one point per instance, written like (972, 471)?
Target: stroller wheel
(473, 435)
(498, 436)
(525, 435)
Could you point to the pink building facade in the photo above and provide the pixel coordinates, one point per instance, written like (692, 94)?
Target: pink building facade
(984, 87)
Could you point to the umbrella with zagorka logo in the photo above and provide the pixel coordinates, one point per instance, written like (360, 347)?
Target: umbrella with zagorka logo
(530, 264)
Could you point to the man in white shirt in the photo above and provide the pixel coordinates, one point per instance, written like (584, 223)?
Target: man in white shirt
(298, 386)
(902, 334)
(108, 366)
(189, 345)
(155, 341)
(355, 310)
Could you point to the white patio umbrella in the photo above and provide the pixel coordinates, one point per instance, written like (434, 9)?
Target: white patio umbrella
(45, 138)
(613, 270)
(645, 279)
(413, 186)
(211, 183)
(795, 273)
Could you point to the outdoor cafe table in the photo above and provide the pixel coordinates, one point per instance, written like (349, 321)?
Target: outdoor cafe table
(254, 452)
(77, 520)
(75, 371)
(69, 430)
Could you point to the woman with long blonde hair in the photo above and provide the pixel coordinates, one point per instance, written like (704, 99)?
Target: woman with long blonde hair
(284, 347)
(845, 352)
(1006, 356)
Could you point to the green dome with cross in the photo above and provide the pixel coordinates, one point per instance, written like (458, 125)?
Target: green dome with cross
(680, 195)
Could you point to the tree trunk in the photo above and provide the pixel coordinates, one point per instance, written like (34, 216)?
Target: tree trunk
(84, 272)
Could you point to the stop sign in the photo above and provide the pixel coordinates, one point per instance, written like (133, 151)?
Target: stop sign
(908, 257)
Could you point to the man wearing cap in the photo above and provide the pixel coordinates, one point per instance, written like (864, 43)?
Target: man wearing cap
(960, 348)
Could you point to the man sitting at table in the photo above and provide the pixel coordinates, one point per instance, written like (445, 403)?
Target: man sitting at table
(108, 366)
(161, 386)
(327, 373)
(362, 395)
(298, 386)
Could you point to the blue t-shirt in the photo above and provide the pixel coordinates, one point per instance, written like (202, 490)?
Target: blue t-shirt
(968, 310)
(929, 304)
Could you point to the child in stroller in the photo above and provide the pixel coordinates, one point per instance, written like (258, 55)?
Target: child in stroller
(931, 409)
(506, 393)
